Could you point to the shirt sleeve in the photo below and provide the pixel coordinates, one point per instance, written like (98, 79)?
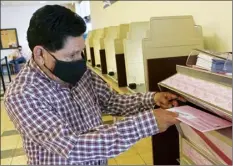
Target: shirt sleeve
(121, 104)
(38, 121)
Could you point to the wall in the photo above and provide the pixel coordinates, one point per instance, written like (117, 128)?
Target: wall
(19, 17)
(215, 17)
(83, 9)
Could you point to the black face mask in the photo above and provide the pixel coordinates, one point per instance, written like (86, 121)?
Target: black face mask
(70, 72)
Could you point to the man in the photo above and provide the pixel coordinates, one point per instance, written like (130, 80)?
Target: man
(87, 21)
(17, 59)
(56, 102)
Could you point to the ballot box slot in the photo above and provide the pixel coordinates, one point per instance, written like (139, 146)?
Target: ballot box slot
(191, 104)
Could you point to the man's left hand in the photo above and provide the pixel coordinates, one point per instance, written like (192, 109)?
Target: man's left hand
(166, 100)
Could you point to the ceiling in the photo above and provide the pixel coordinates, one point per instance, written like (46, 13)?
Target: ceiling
(27, 3)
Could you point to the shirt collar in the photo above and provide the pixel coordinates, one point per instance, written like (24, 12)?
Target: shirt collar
(38, 70)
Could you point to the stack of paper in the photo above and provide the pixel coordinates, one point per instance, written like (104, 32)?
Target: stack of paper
(200, 120)
(204, 61)
(214, 64)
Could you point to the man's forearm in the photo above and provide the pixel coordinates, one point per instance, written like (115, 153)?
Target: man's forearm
(117, 104)
(125, 105)
(109, 141)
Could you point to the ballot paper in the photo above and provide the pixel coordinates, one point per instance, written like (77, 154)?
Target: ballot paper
(200, 120)
(214, 64)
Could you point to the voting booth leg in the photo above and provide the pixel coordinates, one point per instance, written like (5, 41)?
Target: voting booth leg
(121, 71)
(165, 145)
(8, 69)
(103, 61)
(92, 57)
(3, 81)
(85, 53)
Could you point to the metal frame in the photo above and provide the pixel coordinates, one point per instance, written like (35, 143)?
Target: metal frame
(1, 72)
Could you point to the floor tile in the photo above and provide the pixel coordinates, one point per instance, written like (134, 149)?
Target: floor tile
(107, 117)
(144, 145)
(135, 160)
(2, 127)
(144, 142)
(9, 126)
(20, 143)
(108, 122)
(145, 149)
(10, 133)
(7, 153)
(6, 161)
(147, 158)
(129, 153)
(4, 115)
(3, 110)
(20, 160)
(9, 142)
(4, 119)
(19, 152)
(112, 161)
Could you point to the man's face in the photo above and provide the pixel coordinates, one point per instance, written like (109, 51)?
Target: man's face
(71, 51)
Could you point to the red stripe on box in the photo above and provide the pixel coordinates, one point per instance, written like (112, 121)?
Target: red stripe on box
(214, 148)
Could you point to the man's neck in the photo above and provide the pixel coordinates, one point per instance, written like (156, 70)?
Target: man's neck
(50, 75)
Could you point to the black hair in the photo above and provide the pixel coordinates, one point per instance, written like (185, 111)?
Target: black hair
(19, 46)
(51, 25)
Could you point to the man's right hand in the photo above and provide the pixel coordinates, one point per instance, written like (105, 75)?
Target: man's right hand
(165, 119)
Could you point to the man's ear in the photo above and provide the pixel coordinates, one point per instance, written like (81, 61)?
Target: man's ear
(38, 55)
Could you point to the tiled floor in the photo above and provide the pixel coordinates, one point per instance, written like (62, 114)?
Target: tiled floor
(12, 152)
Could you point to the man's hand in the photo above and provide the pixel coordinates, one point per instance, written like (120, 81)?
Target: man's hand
(165, 119)
(167, 100)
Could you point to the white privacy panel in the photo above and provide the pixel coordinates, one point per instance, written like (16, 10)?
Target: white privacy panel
(170, 36)
(122, 32)
(133, 52)
(102, 38)
(109, 48)
(173, 30)
(113, 44)
(96, 44)
(135, 73)
(87, 42)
